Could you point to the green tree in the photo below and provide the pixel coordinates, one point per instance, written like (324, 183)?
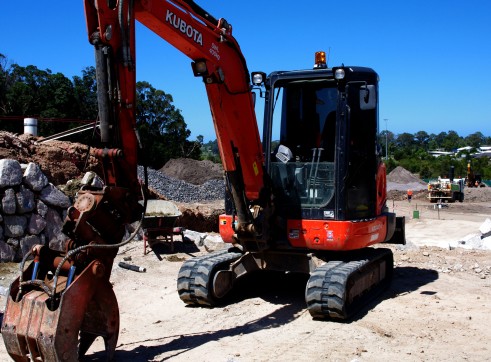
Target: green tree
(4, 83)
(59, 101)
(162, 127)
(85, 92)
(475, 140)
(439, 139)
(386, 138)
(209, 151)
(25, 95)
(39, 93)
(422, 138)
(405, 140)
(452, 141)
(425, 170)
(404, 145)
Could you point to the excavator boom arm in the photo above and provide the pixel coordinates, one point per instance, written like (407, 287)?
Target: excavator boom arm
(217, 58)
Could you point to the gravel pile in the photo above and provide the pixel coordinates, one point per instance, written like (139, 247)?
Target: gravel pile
(181, 191)
(400, 179)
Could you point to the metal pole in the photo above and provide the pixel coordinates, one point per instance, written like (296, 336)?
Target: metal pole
(386, 140)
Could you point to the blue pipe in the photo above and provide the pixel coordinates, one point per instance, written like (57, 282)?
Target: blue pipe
(35, 270)
(71, 274)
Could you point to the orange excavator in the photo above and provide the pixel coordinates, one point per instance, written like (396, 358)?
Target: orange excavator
(310, 197)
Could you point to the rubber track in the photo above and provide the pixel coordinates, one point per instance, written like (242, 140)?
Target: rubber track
(325, 292)
(194, 282)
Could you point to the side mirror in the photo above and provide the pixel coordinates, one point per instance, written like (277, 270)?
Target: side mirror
(368, 97)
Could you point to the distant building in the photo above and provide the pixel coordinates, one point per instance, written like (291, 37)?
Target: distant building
(438, 153)
(466, 148)
(483, 151)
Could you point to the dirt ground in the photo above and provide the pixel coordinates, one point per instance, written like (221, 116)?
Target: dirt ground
(437, 307)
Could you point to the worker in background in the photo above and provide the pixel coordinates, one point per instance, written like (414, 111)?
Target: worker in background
(409, 195)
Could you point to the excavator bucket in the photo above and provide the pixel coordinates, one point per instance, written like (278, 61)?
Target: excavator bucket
(35, 330)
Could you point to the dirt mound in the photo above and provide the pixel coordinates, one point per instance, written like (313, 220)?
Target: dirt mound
(60, 161)
(480, 194)
(402, 176)
(400, 179)
(192, 171)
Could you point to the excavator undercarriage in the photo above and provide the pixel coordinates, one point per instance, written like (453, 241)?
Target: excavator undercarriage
(336, 289)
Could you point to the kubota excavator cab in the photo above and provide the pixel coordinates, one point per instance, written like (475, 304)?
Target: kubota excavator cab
(330, 127)
(320, 133)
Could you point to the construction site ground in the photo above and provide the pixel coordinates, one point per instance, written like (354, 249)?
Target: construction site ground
(436, 309)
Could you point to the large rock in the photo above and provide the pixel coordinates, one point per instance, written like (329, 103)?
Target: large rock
(15, 226)
(41, 208)
(10, 173)
(214, 242)
(54, 197)
(485, 228)
(28, 242)
(54, 224)
(9, 204)
(211, 242)
(486, 243)
(34, 178)
(36, 224)
(25, 200)
(194, 236)
(7, 253)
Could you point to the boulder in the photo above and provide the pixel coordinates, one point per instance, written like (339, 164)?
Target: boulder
(485, 228)
(9, 203)
(42, 208)
(25, 200)
(54, 224)
(210, 242)
(10, 173)
(15, 226)
(36, 224)
(7, 253)
(27, 242)
(34, 178)
(486, 243)
(54, 197)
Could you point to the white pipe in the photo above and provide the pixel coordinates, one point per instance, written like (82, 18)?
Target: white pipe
(31, 126)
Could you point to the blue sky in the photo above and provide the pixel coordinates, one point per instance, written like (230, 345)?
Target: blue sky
(433, 57)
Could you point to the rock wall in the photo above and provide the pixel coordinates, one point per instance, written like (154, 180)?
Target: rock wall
(31, 210)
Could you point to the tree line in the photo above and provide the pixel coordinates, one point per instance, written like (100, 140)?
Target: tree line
(32, 92)
(411, 151)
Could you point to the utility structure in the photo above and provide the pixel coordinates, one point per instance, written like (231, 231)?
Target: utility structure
(314, 205)
(386, 139)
